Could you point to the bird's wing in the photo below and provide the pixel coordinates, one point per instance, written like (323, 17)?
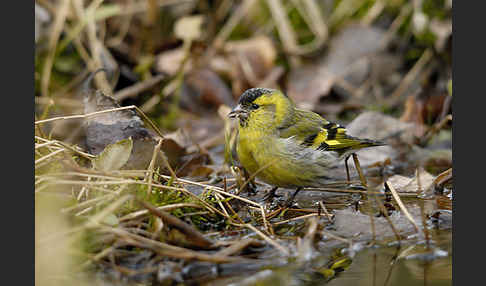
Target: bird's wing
(315, 132)
(302, 124)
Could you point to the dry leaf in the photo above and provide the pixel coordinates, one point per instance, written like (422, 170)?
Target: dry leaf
(349, 57)
(252, 60)
(169, 62)
(108, 128)
(189, 28)
(204, 90)
(114, 156)
(411, 185)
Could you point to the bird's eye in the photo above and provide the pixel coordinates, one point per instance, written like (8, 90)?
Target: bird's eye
(254, 106)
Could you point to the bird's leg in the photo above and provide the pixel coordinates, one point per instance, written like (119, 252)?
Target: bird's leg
(291, 199)
(270, 195)
(250, 186)
(347, 168)
(360, 172)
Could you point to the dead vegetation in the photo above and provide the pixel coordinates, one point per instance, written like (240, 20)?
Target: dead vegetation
(136, 179)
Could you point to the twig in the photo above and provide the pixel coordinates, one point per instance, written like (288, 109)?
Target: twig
(150, 174)
(167, 249)
(402, 206)
(411, 75)
(219, 199)
(360, 172)
(57, 28)
(87, 16)
(335, 190)
(336, 237)
(373, 12)
(52, 154)
(442, 178)
(372, 219)
(170, 207)
(191, 233)
(435, 128)
(236, 17)
(268, 227)
(396, 24)
(323, 207)
(387, 217)
(137, 88)
(80, 116)
(424, 224)
(236, 247)
(287, 33)
(296, 218)
(96, 219)
(268, 239)
(255, 174)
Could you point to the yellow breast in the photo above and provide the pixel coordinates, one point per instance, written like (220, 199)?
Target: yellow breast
(269, 158)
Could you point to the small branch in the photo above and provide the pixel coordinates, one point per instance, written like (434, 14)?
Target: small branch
(137, 88)
(61, 14)
(268, 239)
(402, 206)
(411, 75)
(192, 234)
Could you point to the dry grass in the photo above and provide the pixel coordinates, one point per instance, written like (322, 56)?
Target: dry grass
(95, 220)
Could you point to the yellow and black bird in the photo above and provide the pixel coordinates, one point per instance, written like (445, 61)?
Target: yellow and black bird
(286, 146)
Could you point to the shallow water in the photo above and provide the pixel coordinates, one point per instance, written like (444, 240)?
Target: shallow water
(379, 267)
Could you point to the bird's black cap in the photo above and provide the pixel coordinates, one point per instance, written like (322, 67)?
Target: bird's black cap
(253, 93)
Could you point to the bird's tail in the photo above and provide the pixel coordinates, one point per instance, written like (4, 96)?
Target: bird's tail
(356, 144)
(364, 143)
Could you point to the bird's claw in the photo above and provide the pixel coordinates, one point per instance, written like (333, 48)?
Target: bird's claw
(268, 197)
(289, 203)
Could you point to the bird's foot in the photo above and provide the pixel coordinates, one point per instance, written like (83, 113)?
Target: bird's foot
(251, 189)
(268, 197)
(290, 201)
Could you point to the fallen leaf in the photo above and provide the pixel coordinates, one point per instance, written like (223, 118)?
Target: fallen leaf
(108, 128)
(170, 61)
(203, 90)
(349, 57)
(252, 60)
(189, 27)
(114, 156)
(405, 184)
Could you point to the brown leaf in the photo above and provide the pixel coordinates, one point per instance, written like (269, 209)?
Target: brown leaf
(191, 163)
(204, 90)
(169, 62)
(108, 128)
(414, 114)
(405, 184)
(349, 57)
(252, 60)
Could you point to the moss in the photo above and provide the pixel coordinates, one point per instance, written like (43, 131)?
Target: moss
(435, 9)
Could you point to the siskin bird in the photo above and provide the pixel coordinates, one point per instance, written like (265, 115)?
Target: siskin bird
(288, 147)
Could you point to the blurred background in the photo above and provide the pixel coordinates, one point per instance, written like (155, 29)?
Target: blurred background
(184, 63)
(186, 58)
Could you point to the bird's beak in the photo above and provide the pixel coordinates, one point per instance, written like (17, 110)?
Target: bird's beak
(236, 112)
